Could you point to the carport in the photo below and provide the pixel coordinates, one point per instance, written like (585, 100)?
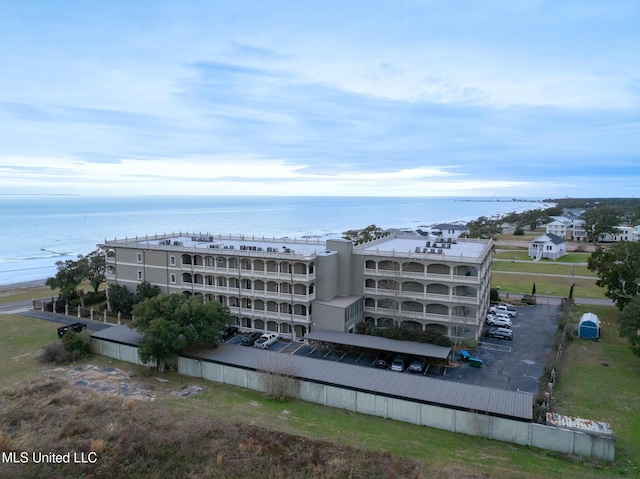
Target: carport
(433, 353)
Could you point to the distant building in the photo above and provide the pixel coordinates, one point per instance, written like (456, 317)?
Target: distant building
(294, 286)
(547, 246)
(568, 227)
(446, 231)
(622, 233)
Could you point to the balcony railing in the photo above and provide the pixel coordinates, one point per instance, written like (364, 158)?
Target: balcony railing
(270, 315)
(433, 277)
(421, 316)
(438, 298)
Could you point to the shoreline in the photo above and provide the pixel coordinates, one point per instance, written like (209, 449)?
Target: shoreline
(23, 285)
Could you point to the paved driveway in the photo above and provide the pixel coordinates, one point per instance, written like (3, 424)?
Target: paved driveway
(514, 365)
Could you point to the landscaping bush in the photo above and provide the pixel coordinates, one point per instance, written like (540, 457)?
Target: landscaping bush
(70, 348)
(54, 353)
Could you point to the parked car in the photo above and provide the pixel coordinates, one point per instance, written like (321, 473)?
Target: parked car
(75, 327)
(418, 365)
(504, 308)
(250, 339)
(265, 340)
(398, 363)
(500, 333)
(382, 362)
(229, 332)
(501, 322)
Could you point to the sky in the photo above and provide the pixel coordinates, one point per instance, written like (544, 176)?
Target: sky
(526, 98)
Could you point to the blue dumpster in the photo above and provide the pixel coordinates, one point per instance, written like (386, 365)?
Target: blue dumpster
(464, 355)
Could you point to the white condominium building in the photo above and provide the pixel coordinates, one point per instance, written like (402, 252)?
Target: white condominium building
(294, 286)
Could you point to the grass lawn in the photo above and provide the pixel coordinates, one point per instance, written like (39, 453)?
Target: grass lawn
(601, 381)
(20, 341)
(24, 294)
(545, 285)
(542, 267)
(523, 255)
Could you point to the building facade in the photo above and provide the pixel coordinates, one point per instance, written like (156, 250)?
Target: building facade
(294, 286)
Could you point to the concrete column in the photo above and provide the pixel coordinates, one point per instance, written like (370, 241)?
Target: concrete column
(66, 309)
(105, 316)
(119, 317)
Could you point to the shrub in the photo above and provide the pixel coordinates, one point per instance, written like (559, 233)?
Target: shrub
(518, 232)
(494, 295)
(54, 353)
(78, 344)
(71, 347)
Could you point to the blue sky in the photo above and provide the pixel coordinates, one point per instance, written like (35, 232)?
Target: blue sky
(510, 98)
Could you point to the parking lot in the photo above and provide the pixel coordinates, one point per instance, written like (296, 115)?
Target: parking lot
(514, 365)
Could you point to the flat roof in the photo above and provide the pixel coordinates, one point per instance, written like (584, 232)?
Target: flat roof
(410, 348)
(464, 249)
(416, 388)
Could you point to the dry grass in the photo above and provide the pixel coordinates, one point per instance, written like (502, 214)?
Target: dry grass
(143, 439)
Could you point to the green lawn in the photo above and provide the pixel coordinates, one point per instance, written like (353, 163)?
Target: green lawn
(523, 255)
(542, 267)
(545, 285)
(601, 381)
(20, 341)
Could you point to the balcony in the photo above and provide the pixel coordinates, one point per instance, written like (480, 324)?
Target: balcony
(421, 316)
(451, 278)
(436, 298)
(270, 315)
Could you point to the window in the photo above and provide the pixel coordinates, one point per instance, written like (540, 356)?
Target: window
(140, 274)
(173, 279)
(172, 260)
(139, 257)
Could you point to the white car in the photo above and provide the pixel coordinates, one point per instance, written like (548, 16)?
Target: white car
(266, 340)
(501, 322)
(504, 309)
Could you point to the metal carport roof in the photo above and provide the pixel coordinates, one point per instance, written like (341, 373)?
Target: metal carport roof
(410, 348)
(418, 388)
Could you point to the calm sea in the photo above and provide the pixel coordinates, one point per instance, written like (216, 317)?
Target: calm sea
(37, 231)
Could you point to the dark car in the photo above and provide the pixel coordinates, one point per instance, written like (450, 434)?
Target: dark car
(229, 332)
(249, 339)
(417, 365)
(383, 362)
(75, 327)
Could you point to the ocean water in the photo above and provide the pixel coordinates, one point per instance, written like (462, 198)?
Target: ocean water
(37, 231)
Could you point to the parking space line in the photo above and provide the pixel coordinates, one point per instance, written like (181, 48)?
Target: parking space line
(495, 347)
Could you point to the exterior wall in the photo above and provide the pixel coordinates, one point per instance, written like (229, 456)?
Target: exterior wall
(328, 317)
(345, 252)
(327, 284)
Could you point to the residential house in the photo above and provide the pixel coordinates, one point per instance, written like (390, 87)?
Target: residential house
(547, 246)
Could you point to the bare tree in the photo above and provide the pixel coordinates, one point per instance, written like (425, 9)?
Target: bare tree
(278, 373)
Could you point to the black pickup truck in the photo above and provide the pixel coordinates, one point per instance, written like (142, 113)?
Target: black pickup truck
(75, 327)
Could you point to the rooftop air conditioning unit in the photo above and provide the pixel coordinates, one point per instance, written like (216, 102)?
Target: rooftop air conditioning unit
(418, 249)
(177, 243)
